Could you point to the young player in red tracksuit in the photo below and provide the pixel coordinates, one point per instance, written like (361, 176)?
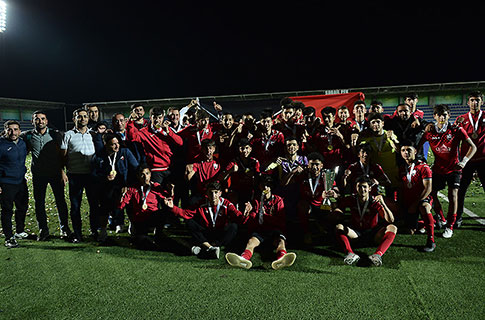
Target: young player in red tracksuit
(213, 222)
(144, 202)
(267, 224)
(157, 140)
(365, 211)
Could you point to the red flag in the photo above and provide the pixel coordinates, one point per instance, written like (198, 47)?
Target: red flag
(331, 100)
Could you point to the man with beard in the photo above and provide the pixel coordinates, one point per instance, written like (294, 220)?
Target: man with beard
(78, 150)
(13, 186)
(44, 143)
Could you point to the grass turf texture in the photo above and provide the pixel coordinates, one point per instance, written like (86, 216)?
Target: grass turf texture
(59, 280)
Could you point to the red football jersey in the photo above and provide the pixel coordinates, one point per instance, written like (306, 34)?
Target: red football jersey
(370, 215)
(205, 170)
(330, 146)
(267, 149)
(478, 136)
(411, 190)
(445, 147)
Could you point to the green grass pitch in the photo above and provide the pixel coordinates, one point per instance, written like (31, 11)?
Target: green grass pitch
(60, 280)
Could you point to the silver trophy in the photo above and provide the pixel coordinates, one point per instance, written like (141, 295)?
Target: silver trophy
(329, 179)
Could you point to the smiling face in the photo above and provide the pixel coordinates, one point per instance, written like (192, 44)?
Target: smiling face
(291, 147)
(245, 151)
(81, 119)
(119, 123)
(227, 121)
(12, 132)
(315, 167)
(377, 125)
(39, 121)
(144, 177)
(404, 112)
(113, 145)
(343, 114)
(363, 190)
(93, 113)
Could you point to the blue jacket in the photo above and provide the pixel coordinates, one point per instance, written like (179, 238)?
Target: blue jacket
(125, 165)
(12, 161)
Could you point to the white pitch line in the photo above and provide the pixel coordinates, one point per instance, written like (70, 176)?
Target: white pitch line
(465, 210)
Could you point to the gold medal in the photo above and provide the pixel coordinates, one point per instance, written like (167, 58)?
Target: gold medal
(330, 147)
(474, 135)
(410, 185)
(112, 173)
(144, 206)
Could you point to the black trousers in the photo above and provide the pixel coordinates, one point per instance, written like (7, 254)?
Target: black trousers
(466, 179)
(17, 194)
(216, 237)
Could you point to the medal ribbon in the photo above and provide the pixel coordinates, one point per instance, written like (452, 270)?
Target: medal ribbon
(475, 125)
(410, 173)
(314, 188)
(211, 213)
(362, 212)
(113, 162)
(145, 194)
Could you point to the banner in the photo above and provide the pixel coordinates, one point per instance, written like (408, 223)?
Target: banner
(331, 100)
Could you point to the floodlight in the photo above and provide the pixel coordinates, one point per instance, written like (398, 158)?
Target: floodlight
(3, 16)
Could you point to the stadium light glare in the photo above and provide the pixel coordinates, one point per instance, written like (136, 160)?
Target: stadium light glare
(3, 16)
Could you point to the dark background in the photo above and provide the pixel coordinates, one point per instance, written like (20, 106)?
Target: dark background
(78, 51)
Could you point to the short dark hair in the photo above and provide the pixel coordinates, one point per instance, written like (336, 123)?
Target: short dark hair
(407, 142)
(343, 108)
(9, 123)
(364, 179)
(412, 95)
(156, 111)
(440, 109)
(201, 114)
(315, 156)
(475, 94)
(87, 106)
(107, 137)
(291, 138)
(76, 112)
(364, 147)
(213, 185)
(266, 114)
(374, 102)
(142, 166)
(36, 112)
(404, 104)
(308, 110)
(136, 105)
(328, 110)
(286, 101)
(359, 102)
(375, 116)
(266, 180)
(207, 143)
(243, 142)
(298, 105)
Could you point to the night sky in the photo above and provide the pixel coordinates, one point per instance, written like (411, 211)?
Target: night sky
(78, 51)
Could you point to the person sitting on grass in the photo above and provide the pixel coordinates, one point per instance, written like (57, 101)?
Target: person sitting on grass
(145, 210)
(365, 211)
(213, 222)
(267, 225)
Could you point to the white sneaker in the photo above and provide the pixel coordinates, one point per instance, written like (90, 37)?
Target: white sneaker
(351, 258)
(119, 228)
(21, 235)
(195, 250)
(448, 233)
(376, 259)
(11, 243)
(214, 252)
(238, 261)
(285, 261)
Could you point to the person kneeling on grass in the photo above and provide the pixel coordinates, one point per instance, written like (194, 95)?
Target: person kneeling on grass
(267, 223)
(213, 222)
(145, 211)
(365, 211)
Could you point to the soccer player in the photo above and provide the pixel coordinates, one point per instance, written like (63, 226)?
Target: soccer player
(364, 167)
(13, 186)
(267, 226)
(365, 211)
(213, 222)
(415, 193)
(93, 114)
(473, 122)
(268, 143)
(157, 140)
(193, 135)
(444, 140)
(47, 162)
(144, 201)
(244, 171)
(204, 171)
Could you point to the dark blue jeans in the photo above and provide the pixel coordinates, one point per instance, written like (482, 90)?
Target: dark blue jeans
(17, 194)
(40, 186)
(78, 183)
